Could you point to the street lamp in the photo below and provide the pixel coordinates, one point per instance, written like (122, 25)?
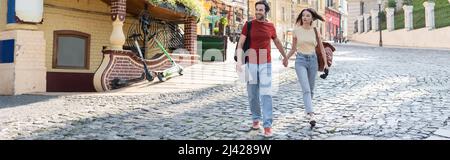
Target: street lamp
(379, 22)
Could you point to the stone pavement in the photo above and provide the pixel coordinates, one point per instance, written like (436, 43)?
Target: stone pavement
(371, 93)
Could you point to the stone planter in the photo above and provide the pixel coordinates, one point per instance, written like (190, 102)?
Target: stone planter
(429, 14)
(408, 17)
(390, 19)
(374, 14)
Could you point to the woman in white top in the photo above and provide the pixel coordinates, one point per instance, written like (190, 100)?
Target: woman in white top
(306, 65)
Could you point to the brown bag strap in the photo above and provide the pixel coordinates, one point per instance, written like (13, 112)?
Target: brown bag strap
(319, 43)
(317, 36)
(321, 48)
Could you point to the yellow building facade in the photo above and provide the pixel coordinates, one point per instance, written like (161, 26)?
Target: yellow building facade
(34, 62)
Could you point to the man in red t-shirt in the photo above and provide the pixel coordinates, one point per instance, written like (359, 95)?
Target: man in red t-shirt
(259, 66)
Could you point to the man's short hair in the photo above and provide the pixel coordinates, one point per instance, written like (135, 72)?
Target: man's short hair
(266, 5)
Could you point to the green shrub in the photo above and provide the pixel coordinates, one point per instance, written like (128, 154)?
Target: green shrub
(392, 4)
(224, 21)
(216, 30)
(407, 2)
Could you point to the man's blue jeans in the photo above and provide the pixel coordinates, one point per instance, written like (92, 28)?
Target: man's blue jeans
(259, 89)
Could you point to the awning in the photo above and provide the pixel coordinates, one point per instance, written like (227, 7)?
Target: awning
(332, 16)
(135, 7)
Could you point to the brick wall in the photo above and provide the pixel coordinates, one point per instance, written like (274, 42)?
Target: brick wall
(72, 15)
(7, 69)
(30, 68)
(118, 9)
(122, 67)
(190, 37)
(126, 65)
(27, 73)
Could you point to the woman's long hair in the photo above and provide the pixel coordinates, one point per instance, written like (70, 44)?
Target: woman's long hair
(315, 15)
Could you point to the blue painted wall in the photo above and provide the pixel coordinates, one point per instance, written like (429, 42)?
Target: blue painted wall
(7, 51)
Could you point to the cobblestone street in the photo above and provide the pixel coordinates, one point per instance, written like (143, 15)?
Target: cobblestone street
(371, 93)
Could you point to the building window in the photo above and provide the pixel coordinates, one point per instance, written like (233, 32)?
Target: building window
(329, 3)
(283, 13)
(71, 50)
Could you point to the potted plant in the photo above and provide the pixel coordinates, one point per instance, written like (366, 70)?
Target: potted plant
(223, 23)
(391, 4)
(216, 31)
(390, 10)
(407, 2)
(432, 1)
(408, 9)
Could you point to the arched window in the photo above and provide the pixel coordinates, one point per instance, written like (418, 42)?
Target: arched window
(71, 50)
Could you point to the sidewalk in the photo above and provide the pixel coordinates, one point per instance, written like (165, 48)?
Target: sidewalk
(442, 133)
(196, 77)
(403, 97)
(361, 44)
